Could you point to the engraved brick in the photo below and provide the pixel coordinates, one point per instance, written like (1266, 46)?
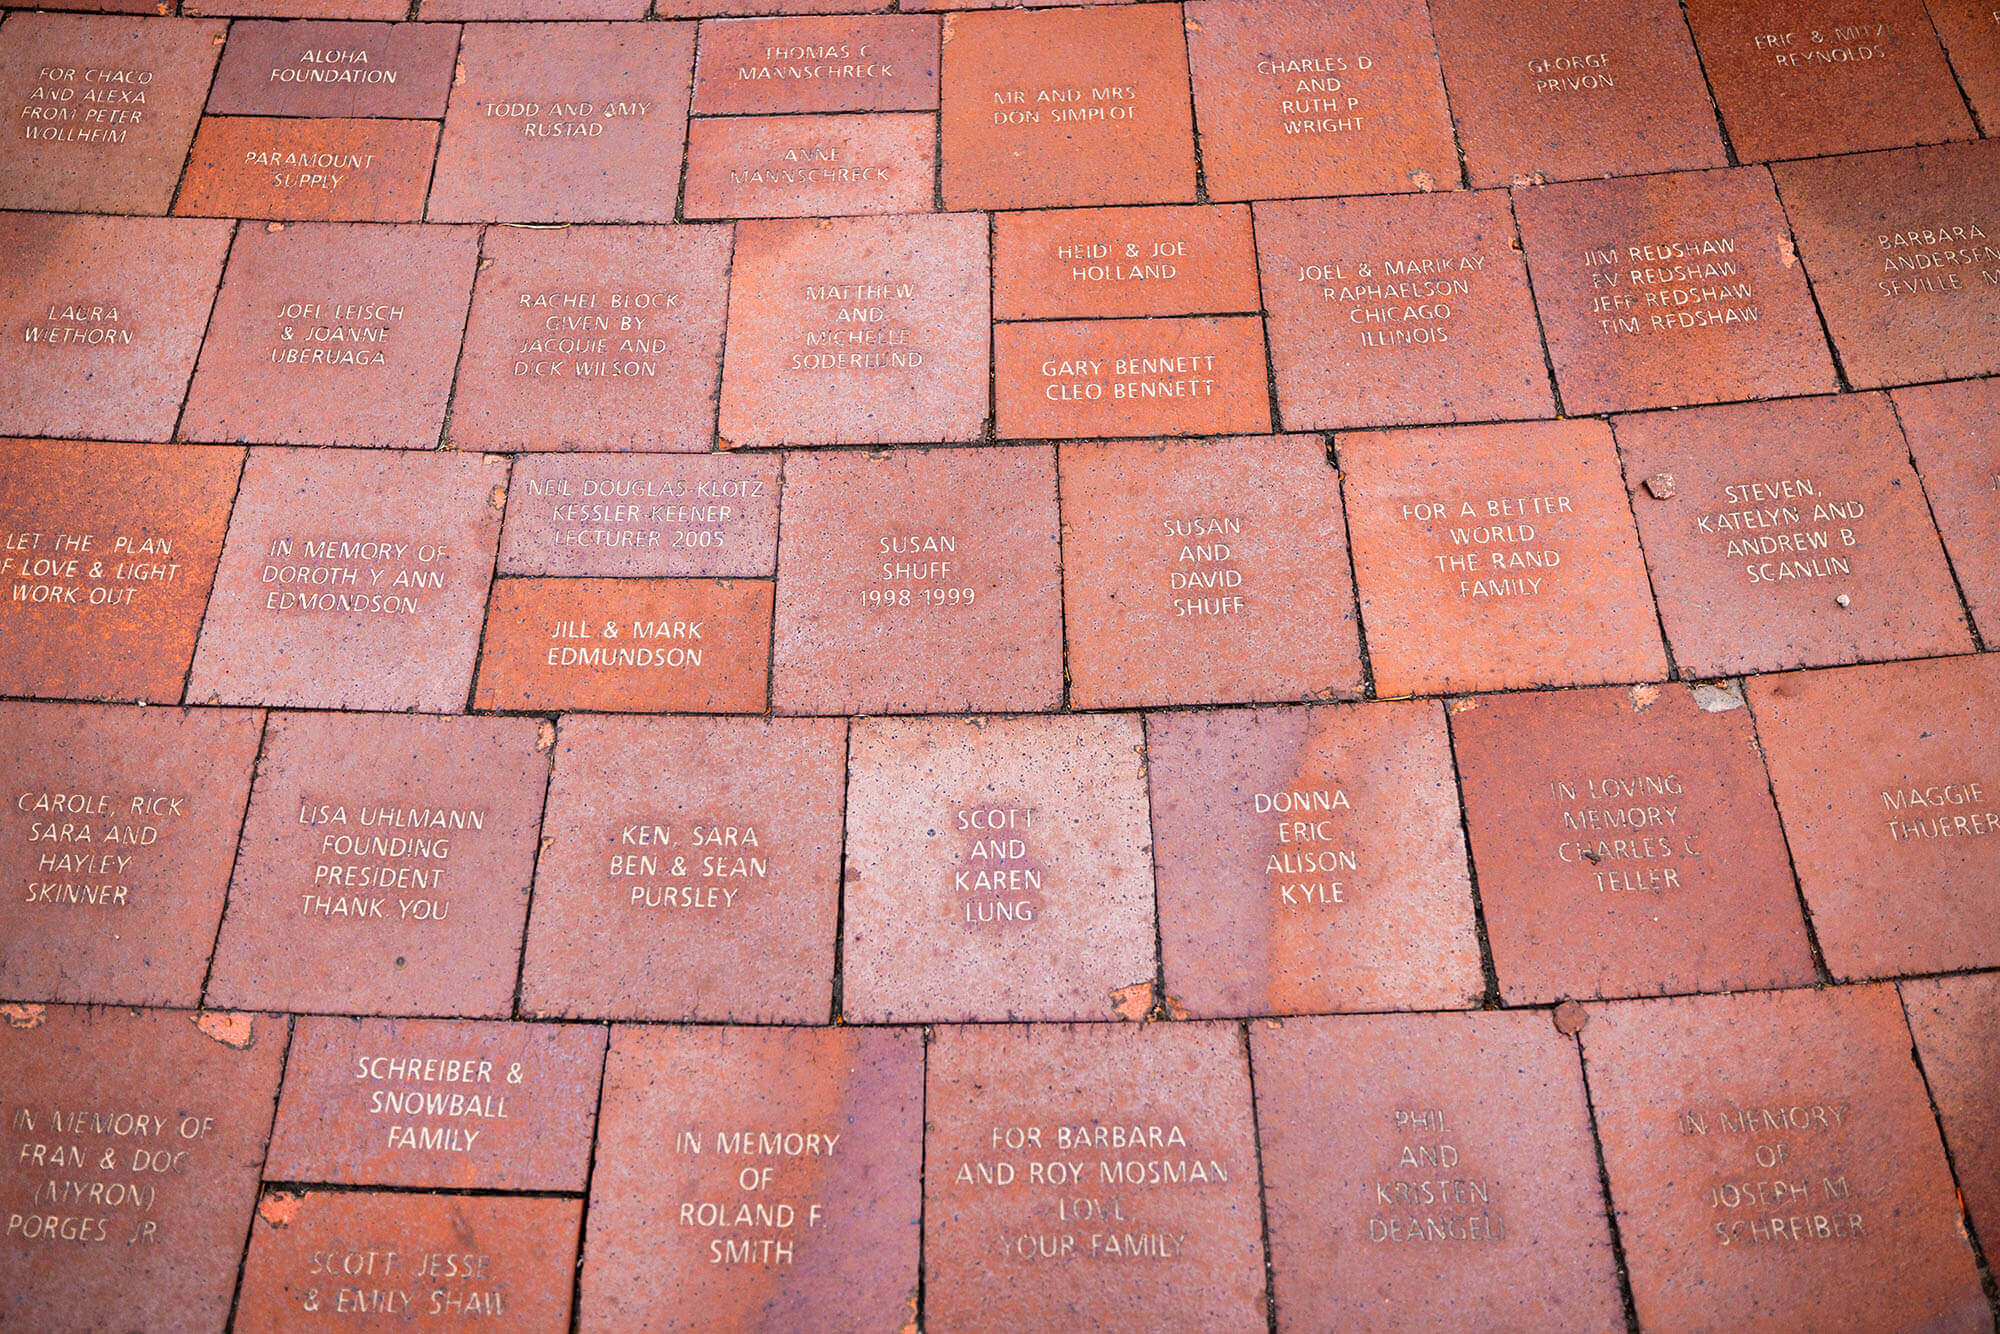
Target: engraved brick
(1077, 379)
(859, 331)
(692, 871)
(581, 122)
(1310, 859)
(1890, 776)
(1956, 1021)
(1156, 1227)
(1559, 92)
(997, 868)
(810, 166)
(1066, 107)
(107, 552)
(1954, 435)
(441, 1103)
(1393, 311)
(377, 10)
(885, 62)
(594, 338)
(1206, 573)
(100, 320)
(385, 866)
(1466, 1134)
(336, 69)
(1496, 557)
(334, 334)
(627, 645)
(162, 1121)
(115, 841)
(711, 515)
(906, 587)
(352, 581)
(1313, 100)
(1170, 260)
(1970, 30)
(757, 1178)
(1626, 845)
(1773, 1157)
(104, 109)
(316, 170)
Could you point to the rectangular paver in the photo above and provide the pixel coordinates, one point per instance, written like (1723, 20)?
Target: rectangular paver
(335, 69)
(1072, 380)
(1953, 432)
(713, 514)
(1188, 259)
(1956, 1022)
(877, 62)
(318, 170)
(810, 166)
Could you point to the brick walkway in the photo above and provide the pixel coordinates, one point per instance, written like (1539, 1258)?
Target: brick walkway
(1217, 665)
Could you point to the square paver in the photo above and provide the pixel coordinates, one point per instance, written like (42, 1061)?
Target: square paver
(1626, 845)
(100, 320)
(906, 587)
(1497, 557)
(334, 334)
(146, 1128)
(691, 871)
(1310, 859)
(997, 868)
(1794, 78)
(596, 338)
(1774, 1161)
(756, 1178)
(857, 331)
(810, 166)
(1206, 573)
(336, 69)
(1318, 100)
(106, 557)
(1954, 435)
(1791, 534)
(1956, 1021)
(1467, 1135)
(316, 170)
(1074, 380)
(1970, 31)
(1399, 310)
(104, 107)
(1066, 107)
(880, 62)
(572, 122)
(1551, 91)
(710, 514)
(1172, 259)
(438, 1103)
(352, 580)
(1091, 1176)
(1904, 261)
(1890, 776)
(1660, 291)
(116, 842)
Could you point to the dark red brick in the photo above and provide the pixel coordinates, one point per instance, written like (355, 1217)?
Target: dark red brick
(335, 69)
(1954, 435)
(1956, 1021)
(1970, 31)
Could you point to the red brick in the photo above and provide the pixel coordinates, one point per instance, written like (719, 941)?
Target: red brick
(385, 866)
(689, 9)
(1970, 30)
(1956, 1021)
(317, 170)
(1497, 557)
(100, 320)
(451, 1103)
(594, 338)
(1850, 751)
(996, 869)
(1206, 573)
(1008, 1247)
(909, 587)
(514, 10)
(98, 148)
(703, 645)
(336, 69)
(334, 334)
(379, 10)
(352, 581)
(117, 839)
(1084, 378)
(1310, 860)
(1467, 1134)
(1903, 259)
(691, 871)
(78, 1082)
(1066, 107)
(712, 515)
(1795, 535)
(132, 533)
(887, 62)
(1735, 1128)
(1954, 434)
(320, 1258)
(860, 331)
(825, 1123)
(1313, 100)
(581, 122)
(1660, 291)
(1392, 311)
(1795, 80)
(1175, 260)
(1626, 845)
(1551, 91)
(810, 166)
